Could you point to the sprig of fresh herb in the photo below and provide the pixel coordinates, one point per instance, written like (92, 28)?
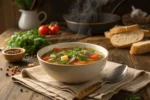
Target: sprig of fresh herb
(30, 40)
(134, 97)
(23, 4)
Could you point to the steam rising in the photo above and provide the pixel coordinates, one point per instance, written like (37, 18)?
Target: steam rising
(86, 10)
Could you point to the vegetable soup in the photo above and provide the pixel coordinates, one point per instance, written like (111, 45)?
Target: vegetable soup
(74, 55)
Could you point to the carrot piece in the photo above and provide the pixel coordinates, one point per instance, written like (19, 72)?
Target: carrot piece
(80, 62)
(46, 58)
(94, 56)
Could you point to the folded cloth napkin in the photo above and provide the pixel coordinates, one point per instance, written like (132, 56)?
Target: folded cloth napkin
(38, 80)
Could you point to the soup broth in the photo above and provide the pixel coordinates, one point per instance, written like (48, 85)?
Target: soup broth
(74, 55)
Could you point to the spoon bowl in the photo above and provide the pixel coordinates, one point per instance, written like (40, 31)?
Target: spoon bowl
(116, 75)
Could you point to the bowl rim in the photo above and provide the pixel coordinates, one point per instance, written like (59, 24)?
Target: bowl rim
(22, 49)
(98, 23)
(68, 65)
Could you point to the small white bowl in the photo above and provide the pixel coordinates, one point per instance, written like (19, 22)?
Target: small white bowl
(73, 73)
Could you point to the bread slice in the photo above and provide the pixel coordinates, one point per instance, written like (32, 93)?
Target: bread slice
(146, 33)
(122, 29)
(126, 39)
(140, 47)
(107, 34)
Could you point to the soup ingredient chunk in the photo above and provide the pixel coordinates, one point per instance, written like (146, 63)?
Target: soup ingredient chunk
(64, 58)
(73, 55)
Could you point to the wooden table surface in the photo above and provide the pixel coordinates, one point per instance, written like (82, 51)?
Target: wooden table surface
(12, 91)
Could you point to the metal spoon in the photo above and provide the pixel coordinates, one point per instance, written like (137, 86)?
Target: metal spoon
(116, 75)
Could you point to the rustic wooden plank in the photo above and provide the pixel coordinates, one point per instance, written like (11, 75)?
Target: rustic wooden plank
(7, 34)
(11, 91)
(148, 91)
(122, 95)
(5, 82)
(99, 40)
(120, 56)
(9, 14)
(2, 27)
(6, 88)
(141, 61)
(138, 62)
(7, 18)
(124, 56)
(143, 93)
(17, 94)
(37, 96)
(17, 14)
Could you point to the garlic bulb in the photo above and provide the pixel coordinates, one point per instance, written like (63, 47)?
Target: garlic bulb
(137, 13)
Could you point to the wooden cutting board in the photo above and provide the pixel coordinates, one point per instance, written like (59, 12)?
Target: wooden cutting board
(66, 35)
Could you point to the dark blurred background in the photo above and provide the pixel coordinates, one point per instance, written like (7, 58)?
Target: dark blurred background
(55, 9)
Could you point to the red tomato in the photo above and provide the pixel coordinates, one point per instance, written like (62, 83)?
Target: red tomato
(54, 29)
(43, 30)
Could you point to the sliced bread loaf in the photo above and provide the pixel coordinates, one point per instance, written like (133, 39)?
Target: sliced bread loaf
(126, 39)
(122, 29)
(140, 47)
(107, 34)
(146, 33)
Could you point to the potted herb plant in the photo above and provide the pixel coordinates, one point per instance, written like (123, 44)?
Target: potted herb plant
(29, 18)
(24, 4)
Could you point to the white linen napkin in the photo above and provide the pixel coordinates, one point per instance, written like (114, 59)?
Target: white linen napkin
(38, 80)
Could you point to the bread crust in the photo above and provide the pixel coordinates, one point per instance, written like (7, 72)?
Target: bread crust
(140, 47)
(124, 29)
(107, 34)
(146, 33)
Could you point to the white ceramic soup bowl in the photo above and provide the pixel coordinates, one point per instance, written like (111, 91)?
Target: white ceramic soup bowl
(73, 73)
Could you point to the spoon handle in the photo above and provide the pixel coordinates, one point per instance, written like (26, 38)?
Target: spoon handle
(82, 94)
